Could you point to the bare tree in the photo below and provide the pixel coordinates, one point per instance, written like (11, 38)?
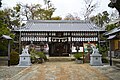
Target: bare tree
(71, 17)
(114, 15)
(48, 4)
(90, 6)
(36, 12)
(29, 10)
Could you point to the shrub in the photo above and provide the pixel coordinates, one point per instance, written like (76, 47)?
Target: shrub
(37, 57)
(78, 56)
(104, 60)
(33, 55)
(14, 57)
(40, 55)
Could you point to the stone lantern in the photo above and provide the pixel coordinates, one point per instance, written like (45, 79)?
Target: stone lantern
(95, 58)
(24, 58)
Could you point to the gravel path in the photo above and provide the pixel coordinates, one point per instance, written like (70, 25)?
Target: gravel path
(8, 72)
(60, 71)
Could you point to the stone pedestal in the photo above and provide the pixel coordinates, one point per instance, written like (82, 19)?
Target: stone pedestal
(24, 59)
(79, 61)
(95, 58)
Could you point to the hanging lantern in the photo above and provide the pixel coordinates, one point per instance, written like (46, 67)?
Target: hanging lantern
(28, 38)
(22, 39)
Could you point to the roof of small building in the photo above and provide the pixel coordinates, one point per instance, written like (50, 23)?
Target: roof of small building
(6, 37)
(59, 25)
(111, 37)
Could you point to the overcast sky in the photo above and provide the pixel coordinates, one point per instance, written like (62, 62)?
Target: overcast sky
(64, 7)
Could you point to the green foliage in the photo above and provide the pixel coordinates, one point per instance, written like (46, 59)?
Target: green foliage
(17, 8)
(5, 17)
(11, 17)
(41, 55)
(56, 18)
(37, 57)
(33, 55)
(100, 18)
(78, 55)
(105, 16)
(33, 11)
(103, 50)
(104, 60)
(43, 14)
(3, 45)
(4, 29)
(5, 22)
(14, 58)
(110, 27)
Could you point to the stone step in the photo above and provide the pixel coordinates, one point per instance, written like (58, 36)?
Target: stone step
(118, 65)
(60, 59)
(3, 63)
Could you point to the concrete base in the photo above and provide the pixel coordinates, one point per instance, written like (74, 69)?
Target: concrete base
(24, 63)
(96, 64)
(96, 61)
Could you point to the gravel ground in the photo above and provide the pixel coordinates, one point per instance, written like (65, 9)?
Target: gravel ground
(60, 71)
(8, 72)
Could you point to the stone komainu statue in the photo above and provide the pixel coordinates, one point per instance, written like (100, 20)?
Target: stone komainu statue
(115, 4)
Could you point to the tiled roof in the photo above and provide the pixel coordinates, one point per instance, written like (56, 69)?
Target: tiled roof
(59, 25)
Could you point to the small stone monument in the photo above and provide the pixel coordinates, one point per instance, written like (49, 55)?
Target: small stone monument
(95, 58)
(24, 58)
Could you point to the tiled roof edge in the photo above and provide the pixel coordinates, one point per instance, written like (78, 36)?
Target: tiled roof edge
(59, 21)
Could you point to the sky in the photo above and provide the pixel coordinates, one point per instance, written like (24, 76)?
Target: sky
(63, 7)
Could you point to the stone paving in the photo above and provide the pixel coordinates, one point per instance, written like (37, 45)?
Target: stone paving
(60, 71)
(112, 72)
